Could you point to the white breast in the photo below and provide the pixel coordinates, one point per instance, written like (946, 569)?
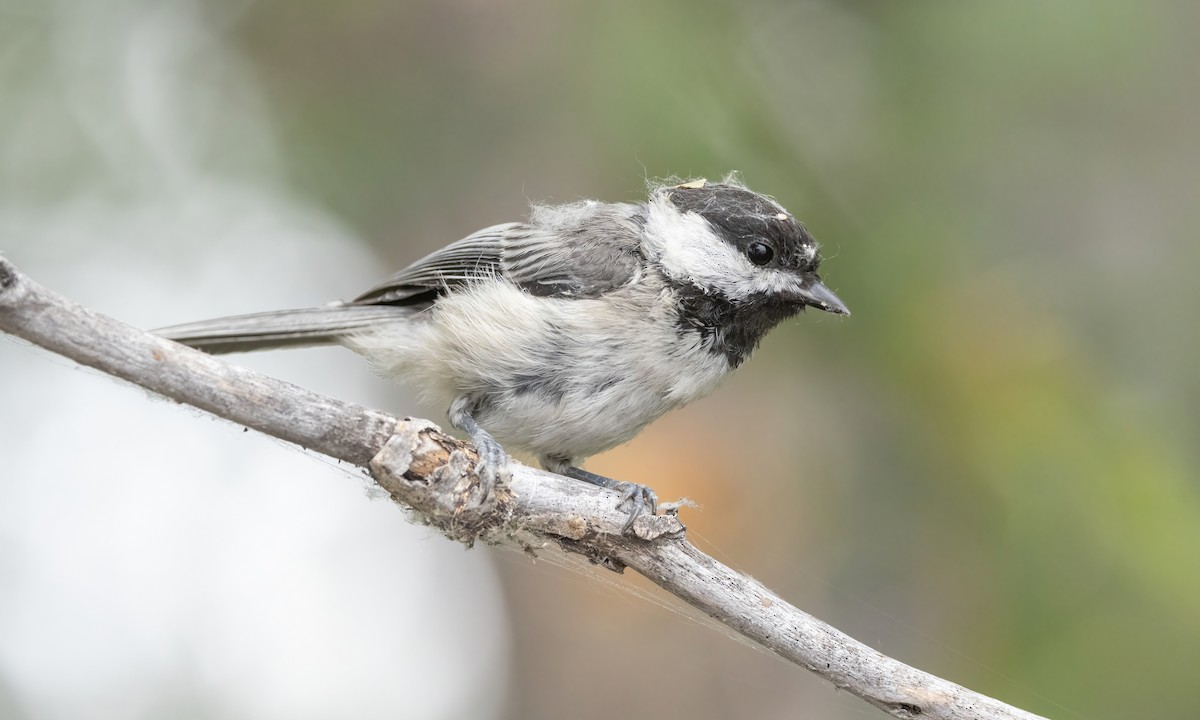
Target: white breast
(561, 377)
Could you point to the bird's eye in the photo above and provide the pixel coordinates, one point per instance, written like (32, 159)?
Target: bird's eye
(759, 253)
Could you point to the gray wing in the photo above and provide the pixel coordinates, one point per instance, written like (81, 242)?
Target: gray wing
(475, 256)
(575, 264)
(585, 260)
(579, 250)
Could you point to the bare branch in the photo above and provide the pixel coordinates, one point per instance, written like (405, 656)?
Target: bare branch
(422, 468)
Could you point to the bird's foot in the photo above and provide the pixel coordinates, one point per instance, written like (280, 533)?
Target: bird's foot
(493, 461)
(640, 499)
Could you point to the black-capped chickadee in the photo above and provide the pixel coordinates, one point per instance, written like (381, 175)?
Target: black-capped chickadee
(566, 335)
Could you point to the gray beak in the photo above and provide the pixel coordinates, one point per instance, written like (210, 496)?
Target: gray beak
(815, 294)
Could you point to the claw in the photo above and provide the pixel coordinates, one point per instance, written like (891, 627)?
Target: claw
(493, 461)
(639, 498)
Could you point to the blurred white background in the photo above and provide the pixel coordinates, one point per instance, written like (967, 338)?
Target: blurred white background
(154, 562)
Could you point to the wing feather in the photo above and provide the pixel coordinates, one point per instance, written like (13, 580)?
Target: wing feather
(589, 258)
(475, 256)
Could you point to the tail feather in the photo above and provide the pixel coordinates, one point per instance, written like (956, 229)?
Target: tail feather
(281, 328)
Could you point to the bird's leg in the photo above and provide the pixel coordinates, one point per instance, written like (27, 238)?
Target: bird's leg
(639, 498)
(493, 461)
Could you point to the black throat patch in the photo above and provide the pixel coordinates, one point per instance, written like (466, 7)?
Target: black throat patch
(726, 328)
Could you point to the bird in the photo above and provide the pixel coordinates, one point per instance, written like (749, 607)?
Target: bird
(567, 334)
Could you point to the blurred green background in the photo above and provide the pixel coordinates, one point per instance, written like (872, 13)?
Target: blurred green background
(989, 471)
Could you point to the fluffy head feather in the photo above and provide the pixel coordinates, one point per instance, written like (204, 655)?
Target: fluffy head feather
(707, 234)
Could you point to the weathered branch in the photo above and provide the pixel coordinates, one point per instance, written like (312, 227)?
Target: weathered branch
(429, 471)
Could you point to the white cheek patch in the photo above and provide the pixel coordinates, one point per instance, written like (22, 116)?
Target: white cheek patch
(686, 247)
(688, 250)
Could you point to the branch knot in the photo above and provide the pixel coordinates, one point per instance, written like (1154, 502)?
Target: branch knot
(433, 473)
